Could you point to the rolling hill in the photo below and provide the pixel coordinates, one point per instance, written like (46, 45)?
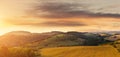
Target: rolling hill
(65, 44)
(54, 39)
(72, 39)
(20, 38)
(80, 51)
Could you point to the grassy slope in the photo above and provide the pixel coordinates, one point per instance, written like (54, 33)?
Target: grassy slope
(81, 51)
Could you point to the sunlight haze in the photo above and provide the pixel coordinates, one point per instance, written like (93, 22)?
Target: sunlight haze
(65, 15)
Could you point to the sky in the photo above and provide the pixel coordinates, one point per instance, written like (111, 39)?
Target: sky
(59, 15)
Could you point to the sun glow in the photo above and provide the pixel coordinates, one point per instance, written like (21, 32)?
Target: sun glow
(2, 21)
(1, 17)
(3, 25)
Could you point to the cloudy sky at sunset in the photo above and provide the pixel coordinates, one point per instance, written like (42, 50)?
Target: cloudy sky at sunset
(59, 15)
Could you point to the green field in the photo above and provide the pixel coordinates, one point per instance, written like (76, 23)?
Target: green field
(80, 51)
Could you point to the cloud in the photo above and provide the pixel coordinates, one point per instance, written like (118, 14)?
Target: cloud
(50, 22)
(58, 10)
(66, 10)
(63, 23)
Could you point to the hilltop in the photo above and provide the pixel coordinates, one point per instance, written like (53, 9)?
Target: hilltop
(20, 38)
(57, 39)
(61, 44)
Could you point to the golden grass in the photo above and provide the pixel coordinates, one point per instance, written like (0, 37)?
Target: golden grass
(81, 51)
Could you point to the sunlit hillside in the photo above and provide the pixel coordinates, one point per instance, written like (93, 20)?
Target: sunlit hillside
(59, 28)
(81, 51)
(59, 44)
(20, 38)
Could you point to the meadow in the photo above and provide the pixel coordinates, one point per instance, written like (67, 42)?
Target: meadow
(59, 44)
(17, 52)
(81, 51)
